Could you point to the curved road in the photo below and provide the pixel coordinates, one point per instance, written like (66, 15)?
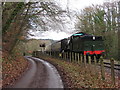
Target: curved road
(41, 74)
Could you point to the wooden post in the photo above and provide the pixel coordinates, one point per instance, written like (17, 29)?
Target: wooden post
(53, 54)
(89, 60)
(81, 58)
(85, 60)
(95, 60)
(66, 56)
(78, 58)
(112, 71)
(49, 53)
(35, 54)
(89, 64)
(75, 58)
(102, 68)
(70, 56)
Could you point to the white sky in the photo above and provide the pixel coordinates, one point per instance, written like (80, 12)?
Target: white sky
(79, 4)
(74, 5)
(51, 35)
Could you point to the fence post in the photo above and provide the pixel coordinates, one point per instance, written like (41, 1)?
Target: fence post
(75, 58)
(85, 60)
(52, 54)
(78, 58)
(67, 55)
(49, 53)
(89, 64)
(64, 56)
(70, 56)
(89, 60)
(102, 68)
(112, 71)
(81, 58)
(95, 60)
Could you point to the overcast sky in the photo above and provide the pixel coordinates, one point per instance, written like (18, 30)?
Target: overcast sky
(72, 5)
(79, 4)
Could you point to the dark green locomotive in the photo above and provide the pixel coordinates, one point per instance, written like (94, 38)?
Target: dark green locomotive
(86, 44)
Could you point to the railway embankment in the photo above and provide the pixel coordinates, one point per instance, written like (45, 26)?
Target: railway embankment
(76, 75)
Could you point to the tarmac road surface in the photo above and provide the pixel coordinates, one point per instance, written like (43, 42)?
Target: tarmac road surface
(41, 74)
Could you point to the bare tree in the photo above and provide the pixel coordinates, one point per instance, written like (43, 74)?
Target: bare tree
(102, 20)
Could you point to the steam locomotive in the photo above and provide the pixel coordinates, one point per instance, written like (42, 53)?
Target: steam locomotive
(82, 43)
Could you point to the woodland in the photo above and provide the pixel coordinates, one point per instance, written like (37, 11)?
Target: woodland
(19, 17)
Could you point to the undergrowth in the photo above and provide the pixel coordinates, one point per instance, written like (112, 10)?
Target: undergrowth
(12, 69)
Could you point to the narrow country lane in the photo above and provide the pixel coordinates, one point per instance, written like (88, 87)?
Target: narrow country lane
(41, 74)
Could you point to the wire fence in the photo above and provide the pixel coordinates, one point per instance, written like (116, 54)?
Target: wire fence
(86, 61)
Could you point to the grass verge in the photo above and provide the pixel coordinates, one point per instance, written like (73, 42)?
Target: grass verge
(79, 76)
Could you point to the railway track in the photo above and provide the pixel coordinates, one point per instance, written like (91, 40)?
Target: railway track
(108, 65)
